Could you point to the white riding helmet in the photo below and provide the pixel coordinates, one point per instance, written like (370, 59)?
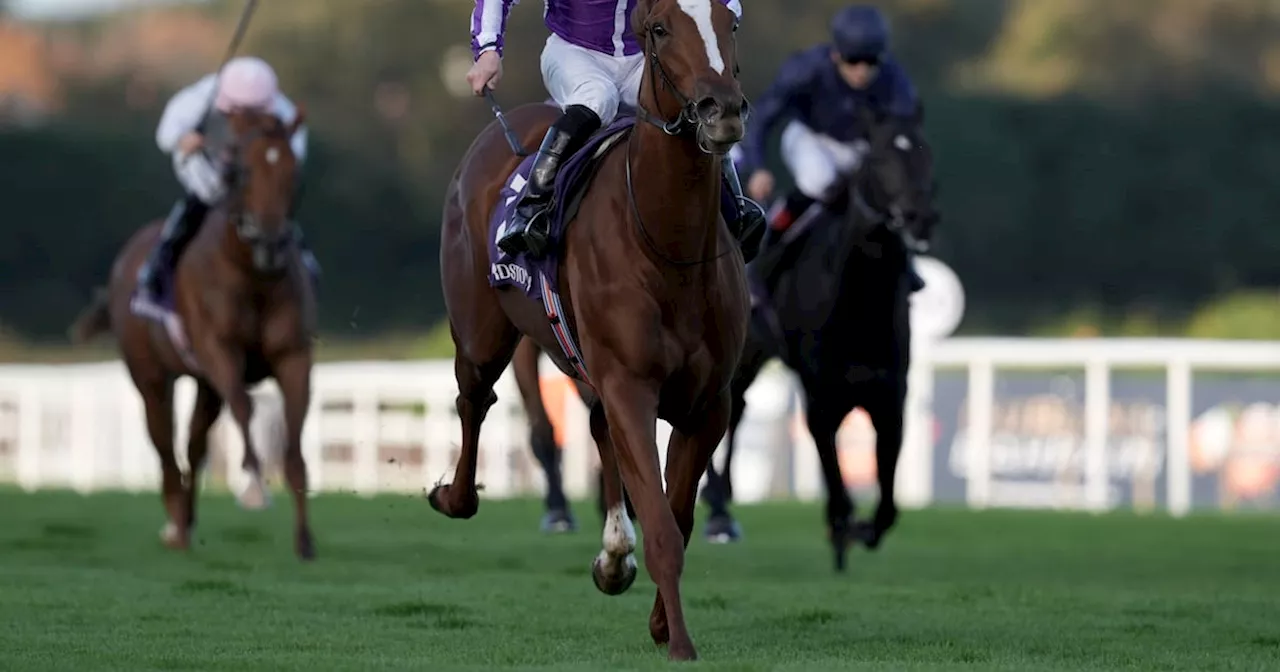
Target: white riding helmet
(246, 82)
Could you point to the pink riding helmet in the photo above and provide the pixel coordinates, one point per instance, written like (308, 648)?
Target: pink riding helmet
(246, 82)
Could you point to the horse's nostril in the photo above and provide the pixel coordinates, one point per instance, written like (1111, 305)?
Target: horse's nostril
(709, 109)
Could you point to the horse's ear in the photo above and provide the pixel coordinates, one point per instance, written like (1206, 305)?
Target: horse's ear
(298, 120)
(638, 16)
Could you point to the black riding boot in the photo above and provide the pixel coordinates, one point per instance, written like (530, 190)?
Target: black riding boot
(181, 226)
(529, 227)
(751, 218)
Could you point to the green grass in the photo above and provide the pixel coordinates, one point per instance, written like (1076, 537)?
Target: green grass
(85, 585)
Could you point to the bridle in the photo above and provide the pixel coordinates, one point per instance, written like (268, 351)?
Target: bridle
(247, 225)
(685, 123)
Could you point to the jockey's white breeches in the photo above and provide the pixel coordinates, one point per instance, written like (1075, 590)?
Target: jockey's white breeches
(600, 82)
(818, 162)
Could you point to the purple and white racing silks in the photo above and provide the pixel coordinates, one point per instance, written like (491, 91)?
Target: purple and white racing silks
(603, 26)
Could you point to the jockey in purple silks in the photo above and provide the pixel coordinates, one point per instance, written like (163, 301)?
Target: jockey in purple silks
(592, 63)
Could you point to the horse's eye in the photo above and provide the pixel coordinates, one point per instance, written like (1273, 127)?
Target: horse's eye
(658, 30)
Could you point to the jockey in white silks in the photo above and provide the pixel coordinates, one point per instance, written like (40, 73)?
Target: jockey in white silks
(244, 83)
(592, 63)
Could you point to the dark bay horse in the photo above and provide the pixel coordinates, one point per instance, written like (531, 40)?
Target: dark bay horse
(838, 317)
(653, 288)
(242, 301)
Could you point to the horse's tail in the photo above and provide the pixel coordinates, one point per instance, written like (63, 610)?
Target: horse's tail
(93, 320)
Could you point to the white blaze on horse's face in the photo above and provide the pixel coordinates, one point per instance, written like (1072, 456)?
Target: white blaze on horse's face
(700, 12)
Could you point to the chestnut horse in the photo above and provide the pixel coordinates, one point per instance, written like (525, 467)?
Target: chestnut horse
(242, 300)
(653, 289)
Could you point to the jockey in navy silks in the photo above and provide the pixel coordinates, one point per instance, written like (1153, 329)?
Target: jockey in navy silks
(819, 92)
(592, 63)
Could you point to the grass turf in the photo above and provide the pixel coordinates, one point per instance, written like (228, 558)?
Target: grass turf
(85, 585)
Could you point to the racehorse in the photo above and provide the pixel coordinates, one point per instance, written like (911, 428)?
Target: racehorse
(838, 317)
(243, 310)
(542, 439)
(649, 281)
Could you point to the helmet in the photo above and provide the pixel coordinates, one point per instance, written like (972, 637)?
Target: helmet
(246, 82)
(860, 32)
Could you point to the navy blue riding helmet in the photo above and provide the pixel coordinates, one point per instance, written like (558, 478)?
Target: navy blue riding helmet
(860, 34)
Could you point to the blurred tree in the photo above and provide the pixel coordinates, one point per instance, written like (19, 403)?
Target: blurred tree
(1105, 155)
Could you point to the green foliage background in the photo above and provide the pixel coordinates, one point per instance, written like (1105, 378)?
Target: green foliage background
(1106, 167)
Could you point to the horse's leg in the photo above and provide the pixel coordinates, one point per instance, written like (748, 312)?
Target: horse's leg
(293, 375)
(203, 415)
(157, 401)
(687, 457)
(721, 527)
(614, 569)
(631, 407)
(823, 424)
(542, 437)
(224, 369)
(475, 396)
(886, 408)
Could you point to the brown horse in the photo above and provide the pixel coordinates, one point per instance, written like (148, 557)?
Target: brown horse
(653, 289)
(243, 302)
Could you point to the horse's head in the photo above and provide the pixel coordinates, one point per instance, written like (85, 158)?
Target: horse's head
(693, 66)
(896, 179)
(262, 179)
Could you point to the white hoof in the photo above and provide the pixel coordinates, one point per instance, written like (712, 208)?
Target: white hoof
(254, 495)
(171, 535)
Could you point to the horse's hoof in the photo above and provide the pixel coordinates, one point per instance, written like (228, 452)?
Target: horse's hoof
(173, 537)
(439, 500)
(558, 521)
(842, 537)
(868, 535)
(254, 496)
(305, 546)
(617, 580)
(722, 529)
(682, 652)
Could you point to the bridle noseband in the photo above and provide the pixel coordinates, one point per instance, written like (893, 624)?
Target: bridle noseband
(687, 121)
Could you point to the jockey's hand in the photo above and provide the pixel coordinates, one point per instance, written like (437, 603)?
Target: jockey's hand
(485, 72)
(190, 143)
(760, 186)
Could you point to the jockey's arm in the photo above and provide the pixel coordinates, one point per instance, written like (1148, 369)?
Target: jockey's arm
(184, 112)
(287, 112)
(489, 26)
(793, 81)
(901, 99)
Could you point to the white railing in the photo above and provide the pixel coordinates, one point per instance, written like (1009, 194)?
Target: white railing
(979, 432)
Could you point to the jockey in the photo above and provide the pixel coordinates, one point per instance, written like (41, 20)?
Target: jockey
(592, 63)
(820, 91)
(245, 82)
